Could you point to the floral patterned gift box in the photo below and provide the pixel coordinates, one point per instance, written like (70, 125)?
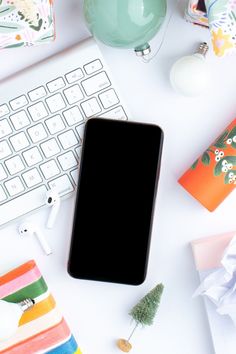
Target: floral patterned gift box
(222, 23)
(26, 22)
(195, 14)
(220, 17)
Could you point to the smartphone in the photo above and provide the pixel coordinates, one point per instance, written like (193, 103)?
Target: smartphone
(118, 177)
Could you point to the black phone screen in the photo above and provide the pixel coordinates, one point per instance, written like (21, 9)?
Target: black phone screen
(119, 169)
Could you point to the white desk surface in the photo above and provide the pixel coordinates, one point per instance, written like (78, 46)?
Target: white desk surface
(98, 312)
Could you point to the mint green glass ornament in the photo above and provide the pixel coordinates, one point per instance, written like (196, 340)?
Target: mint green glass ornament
(125, 23)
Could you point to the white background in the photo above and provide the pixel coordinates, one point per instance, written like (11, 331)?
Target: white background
(98, 312)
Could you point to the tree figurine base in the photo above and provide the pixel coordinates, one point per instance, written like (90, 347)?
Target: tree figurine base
(124, 345)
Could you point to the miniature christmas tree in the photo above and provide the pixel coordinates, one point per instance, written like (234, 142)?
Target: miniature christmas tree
(143, 314)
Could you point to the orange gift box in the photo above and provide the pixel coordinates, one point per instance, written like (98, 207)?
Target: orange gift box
(212, 177)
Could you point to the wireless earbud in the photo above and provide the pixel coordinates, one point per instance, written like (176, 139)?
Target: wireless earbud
(30, 229)
(52, 200)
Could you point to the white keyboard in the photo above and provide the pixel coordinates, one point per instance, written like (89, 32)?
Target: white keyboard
(42, 115)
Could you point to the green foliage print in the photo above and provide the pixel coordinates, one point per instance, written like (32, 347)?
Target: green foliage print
(35, 27)
(216, 8)
(9, 27)
(4, 10)
(224, 164)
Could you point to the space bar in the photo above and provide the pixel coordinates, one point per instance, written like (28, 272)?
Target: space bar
(22, 205)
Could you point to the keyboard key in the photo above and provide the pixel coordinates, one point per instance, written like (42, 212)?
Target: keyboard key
(18, 102)
(32, 177)
(96, 83)
(3, 110)
(14, 187)
(74, 76)
(5, 128)
(75, 175)
(4, 149)
(41, 133)
(55, 85)
(37, 133)
(91, 107)
(32, 156)
(37, 93)
(55, 103)
(14, 165)
(92, 67)
(73, 116)
(55, 124)
(67, 160)
(62, 185)
(20, 120)
(22, 205)
(78, 151)
(80, 131)
(50, 169)
(3, 174)
(73, 94)
(109, 98)
(50, 148)
(68, 139)
(19, 141)
(116, 113)
(3, 195)
(38, 111)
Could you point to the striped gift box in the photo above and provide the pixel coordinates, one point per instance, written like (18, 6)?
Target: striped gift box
(42, 329)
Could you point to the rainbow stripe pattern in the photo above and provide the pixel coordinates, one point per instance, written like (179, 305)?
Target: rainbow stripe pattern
(42, 329)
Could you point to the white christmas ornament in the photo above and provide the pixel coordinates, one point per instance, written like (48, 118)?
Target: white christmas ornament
(190, 75)
(10, 315)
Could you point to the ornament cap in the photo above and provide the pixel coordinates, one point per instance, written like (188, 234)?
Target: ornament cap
(202, 49)
(143, 51)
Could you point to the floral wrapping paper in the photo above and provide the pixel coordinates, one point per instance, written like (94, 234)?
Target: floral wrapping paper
(192, 14)
(221, 20)
(212, 177)
(26, 23)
